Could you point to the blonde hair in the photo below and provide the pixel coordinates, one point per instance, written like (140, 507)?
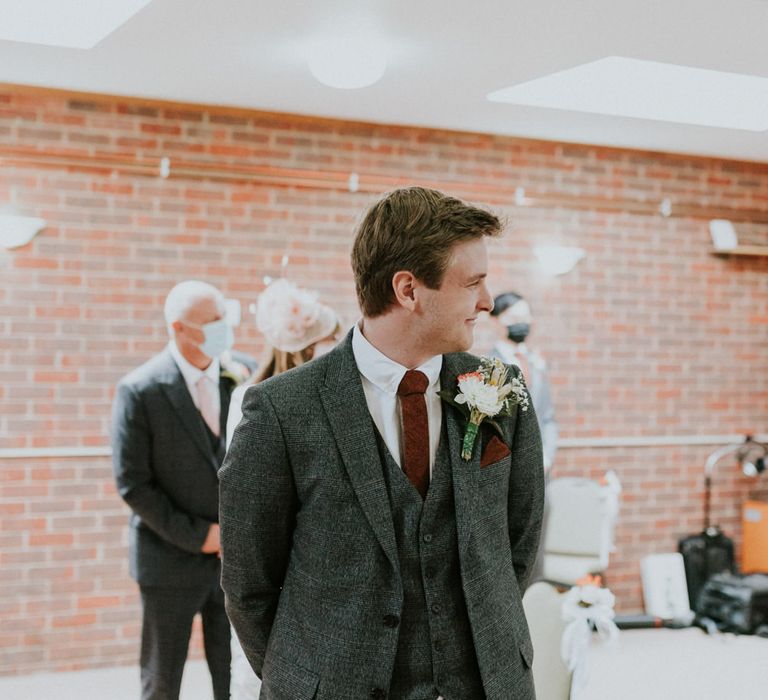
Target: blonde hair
(276, 361)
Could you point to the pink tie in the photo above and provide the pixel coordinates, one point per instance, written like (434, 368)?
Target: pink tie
(209, 407)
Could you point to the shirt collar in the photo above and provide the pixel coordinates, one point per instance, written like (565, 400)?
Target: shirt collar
(191, 373)
(384, 373)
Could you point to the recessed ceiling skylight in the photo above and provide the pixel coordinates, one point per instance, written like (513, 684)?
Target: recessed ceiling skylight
(628, 87)
(75, 25)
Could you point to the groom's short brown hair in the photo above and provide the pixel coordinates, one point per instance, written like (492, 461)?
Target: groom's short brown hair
(411, 229)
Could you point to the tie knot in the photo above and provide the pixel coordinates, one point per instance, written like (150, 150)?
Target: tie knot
(413, 382)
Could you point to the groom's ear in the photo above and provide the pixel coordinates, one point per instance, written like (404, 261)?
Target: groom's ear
(403, 286)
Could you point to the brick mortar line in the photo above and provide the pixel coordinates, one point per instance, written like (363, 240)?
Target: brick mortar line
(565, 443)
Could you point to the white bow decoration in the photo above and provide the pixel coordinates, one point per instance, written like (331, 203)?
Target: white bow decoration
(584, 607)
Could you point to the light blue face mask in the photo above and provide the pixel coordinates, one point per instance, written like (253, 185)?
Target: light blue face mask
(218, 338)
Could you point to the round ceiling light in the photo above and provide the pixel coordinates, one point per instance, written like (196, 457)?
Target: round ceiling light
(347, 63)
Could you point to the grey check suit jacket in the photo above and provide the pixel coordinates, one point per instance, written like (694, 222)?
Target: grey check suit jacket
(310, 563)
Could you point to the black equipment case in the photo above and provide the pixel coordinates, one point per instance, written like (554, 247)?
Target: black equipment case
(708, 553)
(736, 603)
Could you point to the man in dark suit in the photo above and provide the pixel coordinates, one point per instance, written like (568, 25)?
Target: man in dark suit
(363, 555)
(168, 442)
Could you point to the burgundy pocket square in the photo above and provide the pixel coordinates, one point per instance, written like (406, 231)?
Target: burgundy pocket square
(493, 452)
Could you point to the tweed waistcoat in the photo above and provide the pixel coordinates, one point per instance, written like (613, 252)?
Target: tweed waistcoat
(435, 651)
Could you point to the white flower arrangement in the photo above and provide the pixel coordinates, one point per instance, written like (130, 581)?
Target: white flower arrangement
(485, 394)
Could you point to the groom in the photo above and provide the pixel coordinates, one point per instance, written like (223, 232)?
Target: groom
(363, 557)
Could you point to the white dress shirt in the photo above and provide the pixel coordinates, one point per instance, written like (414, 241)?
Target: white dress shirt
(192, 375)
(381, 377)
(235, 414)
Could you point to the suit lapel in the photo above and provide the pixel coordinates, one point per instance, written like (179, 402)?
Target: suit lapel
(175, 389)
(344, 402)
(464, 473)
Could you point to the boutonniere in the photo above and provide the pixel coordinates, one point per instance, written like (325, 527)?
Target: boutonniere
(233, 370)
(482, 396)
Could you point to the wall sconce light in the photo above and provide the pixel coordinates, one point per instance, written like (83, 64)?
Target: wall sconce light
(755, 469)
(723, 234)
(16, 231)
(558, 259)
(750, 456)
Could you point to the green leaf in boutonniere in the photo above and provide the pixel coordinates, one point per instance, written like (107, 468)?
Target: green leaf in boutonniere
(483, 395)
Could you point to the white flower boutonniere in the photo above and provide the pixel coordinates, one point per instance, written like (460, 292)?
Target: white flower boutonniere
(483, 395)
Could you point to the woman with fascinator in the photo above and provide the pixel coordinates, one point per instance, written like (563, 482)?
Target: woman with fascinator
(293, 324)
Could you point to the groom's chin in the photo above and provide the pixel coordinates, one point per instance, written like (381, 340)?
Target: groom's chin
(462, 344)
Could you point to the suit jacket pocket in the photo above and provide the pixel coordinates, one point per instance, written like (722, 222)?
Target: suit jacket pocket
(494, 451)
(284, 680)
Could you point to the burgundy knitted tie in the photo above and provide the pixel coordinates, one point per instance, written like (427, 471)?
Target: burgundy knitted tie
(415, 429)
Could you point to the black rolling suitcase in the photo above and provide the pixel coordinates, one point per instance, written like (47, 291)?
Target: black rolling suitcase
(735, 603)
(704, 555)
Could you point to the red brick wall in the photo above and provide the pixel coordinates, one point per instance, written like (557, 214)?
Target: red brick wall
(648, 336)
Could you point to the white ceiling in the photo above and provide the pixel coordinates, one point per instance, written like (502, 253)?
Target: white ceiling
(445, 56)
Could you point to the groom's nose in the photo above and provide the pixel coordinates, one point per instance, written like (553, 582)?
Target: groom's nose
(485, 301)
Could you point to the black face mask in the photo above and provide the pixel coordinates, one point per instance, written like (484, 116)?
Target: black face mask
(518, 332)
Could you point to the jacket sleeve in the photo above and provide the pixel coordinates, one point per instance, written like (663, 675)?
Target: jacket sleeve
(526, 492)
(257, 508)
(136, 483)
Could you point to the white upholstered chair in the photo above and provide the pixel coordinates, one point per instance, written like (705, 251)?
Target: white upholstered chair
(579, 534)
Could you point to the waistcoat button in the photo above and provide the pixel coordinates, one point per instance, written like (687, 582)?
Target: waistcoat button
(391, 621)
